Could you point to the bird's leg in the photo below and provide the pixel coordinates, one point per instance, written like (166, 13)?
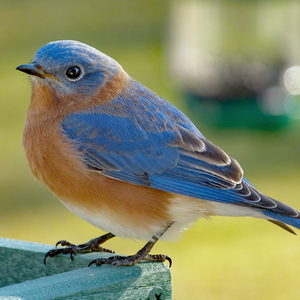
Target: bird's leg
(143, 254)
(91, 246)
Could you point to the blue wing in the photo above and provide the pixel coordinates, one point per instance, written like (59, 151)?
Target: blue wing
(146, 141)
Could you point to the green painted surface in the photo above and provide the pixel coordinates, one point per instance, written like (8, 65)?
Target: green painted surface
(24, 276)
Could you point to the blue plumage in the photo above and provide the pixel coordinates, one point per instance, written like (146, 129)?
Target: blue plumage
(144, 145)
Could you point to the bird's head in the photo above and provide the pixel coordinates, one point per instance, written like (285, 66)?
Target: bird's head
(70, 67)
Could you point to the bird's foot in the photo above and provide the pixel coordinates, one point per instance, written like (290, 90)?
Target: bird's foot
(91, 246)
(130, 260)
(143, 254)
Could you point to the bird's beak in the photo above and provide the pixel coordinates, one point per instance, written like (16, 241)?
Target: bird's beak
(35, 70)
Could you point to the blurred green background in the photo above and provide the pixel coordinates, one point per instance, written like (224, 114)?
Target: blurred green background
(225, 258)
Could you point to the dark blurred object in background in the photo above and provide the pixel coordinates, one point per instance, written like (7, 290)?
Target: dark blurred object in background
(236, 60)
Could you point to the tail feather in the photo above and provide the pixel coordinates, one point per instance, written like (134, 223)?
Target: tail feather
(282, 220)
(283, 226)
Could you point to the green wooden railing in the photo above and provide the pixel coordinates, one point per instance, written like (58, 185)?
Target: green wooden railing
(23, 275)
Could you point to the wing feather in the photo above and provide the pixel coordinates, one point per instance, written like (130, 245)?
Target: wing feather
(154, 144)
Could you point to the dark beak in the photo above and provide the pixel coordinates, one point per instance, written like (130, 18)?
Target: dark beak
(32, 69)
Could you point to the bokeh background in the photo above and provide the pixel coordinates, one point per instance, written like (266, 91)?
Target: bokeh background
(225, 258)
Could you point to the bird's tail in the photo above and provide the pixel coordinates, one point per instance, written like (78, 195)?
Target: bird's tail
(283, 221)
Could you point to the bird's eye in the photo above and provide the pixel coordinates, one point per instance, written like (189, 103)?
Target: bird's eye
(74, 73)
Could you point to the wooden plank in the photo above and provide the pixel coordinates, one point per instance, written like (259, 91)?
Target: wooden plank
(24, 275)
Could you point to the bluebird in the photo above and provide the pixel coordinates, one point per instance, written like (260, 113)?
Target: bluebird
(124, 159)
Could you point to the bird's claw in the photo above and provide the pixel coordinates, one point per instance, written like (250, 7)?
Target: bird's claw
(130, 260)
(91, 246)
(64, 243)
(52, 253)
